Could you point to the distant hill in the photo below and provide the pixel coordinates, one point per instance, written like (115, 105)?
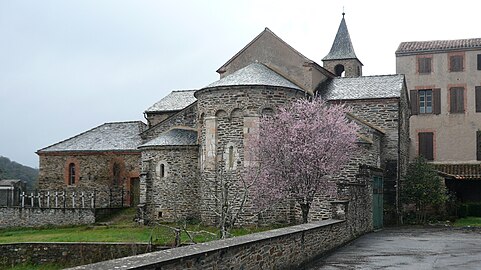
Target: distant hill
(13, 170)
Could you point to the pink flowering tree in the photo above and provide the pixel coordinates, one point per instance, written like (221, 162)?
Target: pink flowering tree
(298, 148)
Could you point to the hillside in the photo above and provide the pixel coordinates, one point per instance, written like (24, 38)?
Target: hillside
(13, 170)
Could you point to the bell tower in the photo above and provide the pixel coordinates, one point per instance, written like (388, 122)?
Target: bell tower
(342, 60)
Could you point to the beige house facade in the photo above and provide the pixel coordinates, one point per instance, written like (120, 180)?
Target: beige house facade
(444, 81)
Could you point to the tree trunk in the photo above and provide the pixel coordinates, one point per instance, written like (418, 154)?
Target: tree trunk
(305, 211)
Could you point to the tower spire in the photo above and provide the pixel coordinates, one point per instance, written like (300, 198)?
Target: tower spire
(342, 53)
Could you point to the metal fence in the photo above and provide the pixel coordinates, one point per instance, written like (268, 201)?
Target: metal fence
(107, 198)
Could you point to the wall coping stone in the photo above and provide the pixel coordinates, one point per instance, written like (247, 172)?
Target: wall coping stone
(150, 259)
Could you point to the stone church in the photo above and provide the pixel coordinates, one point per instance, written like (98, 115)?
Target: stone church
(193, 137)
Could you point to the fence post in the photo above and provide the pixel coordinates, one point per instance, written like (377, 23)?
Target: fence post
(31, 199)
(48, 199)
(39, 198)
(23, 198)
(73, 199)
(56, 199)
(83, 199)
(64, 197)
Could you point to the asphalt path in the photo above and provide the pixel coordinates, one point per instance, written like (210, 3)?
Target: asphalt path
(408, 248)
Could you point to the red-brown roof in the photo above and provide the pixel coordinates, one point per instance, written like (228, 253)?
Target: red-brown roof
(416, 47)
(460, 171)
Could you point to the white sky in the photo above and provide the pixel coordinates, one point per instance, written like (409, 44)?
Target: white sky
(68, 66)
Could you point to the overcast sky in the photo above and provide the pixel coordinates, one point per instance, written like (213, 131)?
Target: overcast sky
(69, 66)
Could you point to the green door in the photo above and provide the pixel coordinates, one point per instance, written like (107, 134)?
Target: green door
(377, 202)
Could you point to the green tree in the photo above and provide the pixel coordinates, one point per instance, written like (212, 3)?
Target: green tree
(423, 188)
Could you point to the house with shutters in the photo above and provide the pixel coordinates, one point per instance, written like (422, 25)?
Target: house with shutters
(444, 81)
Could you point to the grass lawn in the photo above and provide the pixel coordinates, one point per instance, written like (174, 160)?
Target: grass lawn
(468, 221)
(118, 228)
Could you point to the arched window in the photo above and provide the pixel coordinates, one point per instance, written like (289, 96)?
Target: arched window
(117, 174)
(231, 157)
(162, 169)
(71, 174)
(339, 70)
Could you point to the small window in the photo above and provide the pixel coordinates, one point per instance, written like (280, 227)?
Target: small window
(456, 100)
(426, 101)
(479, 61)
(231, 157)
(162, 171)
(424, 65)
(456, 63)
(425, 140)
(339, 70)
(71, 174)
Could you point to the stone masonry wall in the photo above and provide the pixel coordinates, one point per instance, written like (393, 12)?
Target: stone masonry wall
(94, 171)
(176, 195)
(225, 119)
(387, 114)
(66, 254)
(187, 118)
(352, 67)
(285, 248)
(36, 217)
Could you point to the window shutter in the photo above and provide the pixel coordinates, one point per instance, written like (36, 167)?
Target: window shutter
(452, 100)
(414, 102)
(460, 100)
(437, 101)
(426, 145)
(478, 145)
(479, 61)
(478, 97)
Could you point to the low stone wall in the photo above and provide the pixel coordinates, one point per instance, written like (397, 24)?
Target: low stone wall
(66, 254)
(285, 248)
(37, 217)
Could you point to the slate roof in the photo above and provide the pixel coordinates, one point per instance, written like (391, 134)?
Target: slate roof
(460, 171)
(254, 74)
(175, 101)
(416, 47)
(173, 137)
(342, 46)
(117, 136)
(364, 87)
(9, 182)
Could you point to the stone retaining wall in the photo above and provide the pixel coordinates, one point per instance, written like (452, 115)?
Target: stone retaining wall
(39, 217)
(36, 217)
(286, 248)
(66, 254)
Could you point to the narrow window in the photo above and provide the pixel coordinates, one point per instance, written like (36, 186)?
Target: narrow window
(162, 171)
(456, 63)
(479, 61)
(425, 140)
(424, 65)
(116, 172)
(456, 102)
(71, 174)
(231, 157)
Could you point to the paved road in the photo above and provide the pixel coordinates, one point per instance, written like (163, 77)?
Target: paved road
(436, 248)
